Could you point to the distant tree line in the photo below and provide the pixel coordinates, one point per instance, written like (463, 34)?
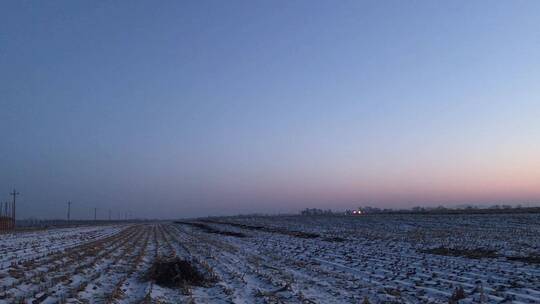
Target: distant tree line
(58, 223)
(315, 211)
(465, 209)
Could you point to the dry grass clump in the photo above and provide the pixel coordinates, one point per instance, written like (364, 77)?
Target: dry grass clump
(467, 253)
(531, 259)
(209, 229)
(176, 273)
(458, 294)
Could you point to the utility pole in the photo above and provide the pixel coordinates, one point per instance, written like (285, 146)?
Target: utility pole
(109, 215)
(14, 194)
(1, 216)
(7, 224)
(95, 214)
(69, 212)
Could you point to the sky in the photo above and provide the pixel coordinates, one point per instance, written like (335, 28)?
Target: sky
(190, 108)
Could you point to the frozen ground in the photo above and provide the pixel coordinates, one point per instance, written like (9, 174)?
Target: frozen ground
(377, 259)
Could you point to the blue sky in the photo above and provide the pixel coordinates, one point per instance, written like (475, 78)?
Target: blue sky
(188, 108)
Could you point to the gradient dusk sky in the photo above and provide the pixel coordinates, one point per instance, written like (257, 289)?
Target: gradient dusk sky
(191, 108)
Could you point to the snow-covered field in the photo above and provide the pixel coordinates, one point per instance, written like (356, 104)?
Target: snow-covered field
(378, 259)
